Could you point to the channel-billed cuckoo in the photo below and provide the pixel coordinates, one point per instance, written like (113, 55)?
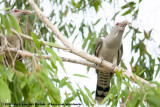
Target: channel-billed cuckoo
(14, 40)
(109, 48)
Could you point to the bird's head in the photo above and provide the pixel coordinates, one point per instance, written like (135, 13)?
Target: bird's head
(119, 28)
(18, 13)
(122, 25)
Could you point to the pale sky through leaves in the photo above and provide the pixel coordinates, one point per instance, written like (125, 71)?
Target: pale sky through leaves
(148, 18)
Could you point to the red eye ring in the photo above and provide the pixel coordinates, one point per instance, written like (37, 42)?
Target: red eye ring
(16, 10)
(117, 24)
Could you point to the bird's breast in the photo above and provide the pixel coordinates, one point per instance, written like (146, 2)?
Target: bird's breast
(107, 54)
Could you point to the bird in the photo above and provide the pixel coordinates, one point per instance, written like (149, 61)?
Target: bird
(109, 48)
(13, 41)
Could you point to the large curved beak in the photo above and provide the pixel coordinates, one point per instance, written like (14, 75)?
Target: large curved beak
(126, 22)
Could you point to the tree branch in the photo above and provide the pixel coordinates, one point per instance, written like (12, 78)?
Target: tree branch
(82, 62)
(80, 53)
(30, 38)
(43, 42)
(25, 53)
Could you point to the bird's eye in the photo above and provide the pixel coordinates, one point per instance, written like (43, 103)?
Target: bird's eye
(117, 24)
(16, 11)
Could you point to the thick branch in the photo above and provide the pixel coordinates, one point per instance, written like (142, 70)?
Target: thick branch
(80, 53)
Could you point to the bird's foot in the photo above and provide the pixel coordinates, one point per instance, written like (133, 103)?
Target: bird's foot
(113, 66)
(101, 60)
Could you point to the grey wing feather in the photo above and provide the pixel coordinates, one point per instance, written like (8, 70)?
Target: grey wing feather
(98, 46)
(120, 53)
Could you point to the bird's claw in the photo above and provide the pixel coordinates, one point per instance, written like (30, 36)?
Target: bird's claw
(101, 60)
(113, 66)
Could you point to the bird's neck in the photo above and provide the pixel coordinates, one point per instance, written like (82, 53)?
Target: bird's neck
(16, 17)
(116, 33)
(114, 39)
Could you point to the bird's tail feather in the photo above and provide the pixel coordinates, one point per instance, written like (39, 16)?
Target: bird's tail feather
(103, 85)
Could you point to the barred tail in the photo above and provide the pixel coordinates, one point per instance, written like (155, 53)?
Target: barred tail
(103, 85)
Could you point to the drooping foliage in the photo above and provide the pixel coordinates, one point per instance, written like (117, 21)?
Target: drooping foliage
(35, 80)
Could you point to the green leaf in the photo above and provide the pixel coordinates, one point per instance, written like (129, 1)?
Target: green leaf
(78, 5)
(2, 30)
(89, 93)
(52, 44)
(142, 71)
(66, 32)
(53, 63)
(127, 84)
(113, 90)
(132, 60)
(2, 68)
(97, 21)
(127, 12)
(43, 77)
(5, 9)
(115, 103)
(70, 87)
(130, 4)
(146, 35)
(6, 24)
(55, 56)
(106, 98)
(73, 3)
(118, 74)
(150, 32)
(85, 98)
(158, 69)
(5, 95)
(23, 83)
(85, 42)
(9, 74)
(69, 99)
(47, 84)
(125, 6)
(63, 82)
(14, 23)
(20, 66)
(123, 65)
(127, 32)
(35, 39)
(96, 4)
(113, 18)
(79, 75)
